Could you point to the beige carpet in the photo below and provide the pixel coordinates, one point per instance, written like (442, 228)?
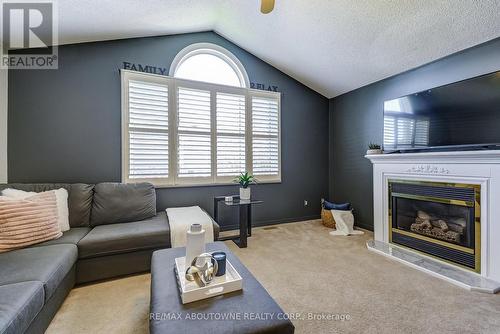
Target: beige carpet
(308, 271)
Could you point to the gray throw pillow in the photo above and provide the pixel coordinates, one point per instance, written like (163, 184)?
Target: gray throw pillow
(122, 203)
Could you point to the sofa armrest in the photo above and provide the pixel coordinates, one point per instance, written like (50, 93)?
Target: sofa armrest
(216, 226)
(216, 230)
(214, 223)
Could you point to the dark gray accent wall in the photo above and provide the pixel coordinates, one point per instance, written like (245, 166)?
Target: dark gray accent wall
(64, 125)
(356, 118)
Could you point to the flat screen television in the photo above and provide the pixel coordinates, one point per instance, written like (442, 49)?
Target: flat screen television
(459, 116)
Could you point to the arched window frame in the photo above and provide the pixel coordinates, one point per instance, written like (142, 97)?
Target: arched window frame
(215, 50)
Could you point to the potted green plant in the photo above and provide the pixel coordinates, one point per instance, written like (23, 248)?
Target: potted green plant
(245, 180)
(374, 149)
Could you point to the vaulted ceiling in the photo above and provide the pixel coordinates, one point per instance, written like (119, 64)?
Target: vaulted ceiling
(332, 46)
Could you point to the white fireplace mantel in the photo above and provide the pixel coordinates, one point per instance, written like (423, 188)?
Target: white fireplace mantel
(470, 167)
(454, 157)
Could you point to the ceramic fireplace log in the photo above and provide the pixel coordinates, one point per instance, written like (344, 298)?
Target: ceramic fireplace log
(422, 223)
(440, 224)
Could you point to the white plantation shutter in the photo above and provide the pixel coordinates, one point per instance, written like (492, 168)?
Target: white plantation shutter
(230, 122)
(194, 133)
(148, 155)
(265, 136)
(148, 126)
(182, 132)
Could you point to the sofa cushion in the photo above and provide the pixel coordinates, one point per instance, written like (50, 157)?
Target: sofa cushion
(72, 237)
(80, 204)
(19, 305)
(47, 264)
(79, 198)
(122, 203)
(126, 237)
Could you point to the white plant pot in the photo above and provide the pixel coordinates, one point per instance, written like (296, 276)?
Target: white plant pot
(245, 193)
(376, 151)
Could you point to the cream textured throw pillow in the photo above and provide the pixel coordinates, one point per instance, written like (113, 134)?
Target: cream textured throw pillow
(62, 203)
(28, 221)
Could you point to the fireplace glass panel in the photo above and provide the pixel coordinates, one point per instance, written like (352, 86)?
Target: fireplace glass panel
(445, 222)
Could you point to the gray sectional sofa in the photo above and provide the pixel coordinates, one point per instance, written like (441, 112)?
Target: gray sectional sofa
(114, 230)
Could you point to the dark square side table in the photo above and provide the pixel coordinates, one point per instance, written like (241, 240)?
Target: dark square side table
(245, 217)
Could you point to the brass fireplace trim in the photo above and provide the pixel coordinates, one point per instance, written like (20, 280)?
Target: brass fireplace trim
(477, 223)
(436, 199)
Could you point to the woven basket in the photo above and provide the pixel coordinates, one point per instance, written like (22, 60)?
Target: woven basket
(327, 218)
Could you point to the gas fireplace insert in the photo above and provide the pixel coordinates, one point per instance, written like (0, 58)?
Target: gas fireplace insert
(439, 219)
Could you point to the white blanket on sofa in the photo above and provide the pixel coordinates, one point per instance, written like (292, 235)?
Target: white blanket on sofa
(180, 219)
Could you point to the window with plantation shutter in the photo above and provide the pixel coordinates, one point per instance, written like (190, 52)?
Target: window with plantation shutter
(178, 132)
(265, 136)
(147, 130)
(194, 133)
(230, 121)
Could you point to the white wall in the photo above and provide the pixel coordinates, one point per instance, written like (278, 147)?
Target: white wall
(3, 126)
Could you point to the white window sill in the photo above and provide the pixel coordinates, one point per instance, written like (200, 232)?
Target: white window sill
(211, 184)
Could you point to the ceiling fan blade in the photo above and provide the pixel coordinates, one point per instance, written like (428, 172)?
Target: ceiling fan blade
(266, 6)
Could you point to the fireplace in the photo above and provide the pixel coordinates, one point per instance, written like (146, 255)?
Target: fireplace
(439, 219)
(467, 184)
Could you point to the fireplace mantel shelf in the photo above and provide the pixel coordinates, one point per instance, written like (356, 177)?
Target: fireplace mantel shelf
(476, 157)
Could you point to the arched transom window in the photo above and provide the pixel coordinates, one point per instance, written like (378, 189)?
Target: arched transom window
(209, 63)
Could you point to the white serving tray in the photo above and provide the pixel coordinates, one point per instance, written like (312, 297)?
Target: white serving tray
(191, 292)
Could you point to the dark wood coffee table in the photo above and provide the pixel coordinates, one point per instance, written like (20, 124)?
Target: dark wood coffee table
(249, 311)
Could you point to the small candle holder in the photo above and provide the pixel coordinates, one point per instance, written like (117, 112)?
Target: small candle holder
(220, 257)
